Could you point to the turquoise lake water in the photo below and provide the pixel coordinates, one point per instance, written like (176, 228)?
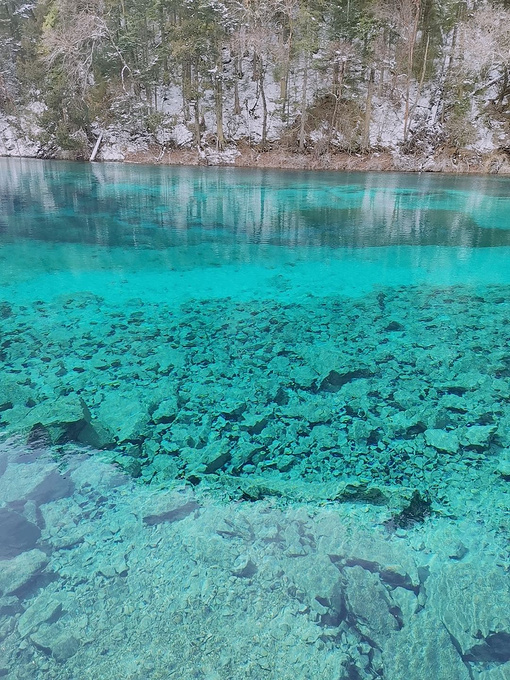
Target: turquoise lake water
(254, 424)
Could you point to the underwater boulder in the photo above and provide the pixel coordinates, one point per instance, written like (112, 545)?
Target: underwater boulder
(57, 421)
(442, 440)
(17, 534)
(20, 570)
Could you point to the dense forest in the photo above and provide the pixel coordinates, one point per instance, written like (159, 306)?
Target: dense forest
(314, 77)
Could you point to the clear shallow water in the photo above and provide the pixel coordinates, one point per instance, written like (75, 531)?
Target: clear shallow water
(333, 345)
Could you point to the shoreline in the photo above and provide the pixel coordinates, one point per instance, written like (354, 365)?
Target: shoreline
(462, 162)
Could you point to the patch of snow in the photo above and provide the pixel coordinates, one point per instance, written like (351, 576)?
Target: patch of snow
(17, 137)
(111, 152)
(181, 135)
(226, 157)
(387, 123)
(117, 143)
(320, 134)
(484, 140)
(37, 107)
(25, 10)
(170, 100)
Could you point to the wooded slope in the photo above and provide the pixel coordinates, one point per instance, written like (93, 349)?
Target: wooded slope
(417, 77)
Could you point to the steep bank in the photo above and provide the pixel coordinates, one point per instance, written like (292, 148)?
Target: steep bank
(19, 138)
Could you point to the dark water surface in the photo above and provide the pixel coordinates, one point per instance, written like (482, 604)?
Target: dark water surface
(255, 424)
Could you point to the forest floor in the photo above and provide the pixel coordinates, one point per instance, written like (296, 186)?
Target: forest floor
(445, 160)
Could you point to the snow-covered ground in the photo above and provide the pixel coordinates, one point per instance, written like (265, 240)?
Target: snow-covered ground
(132, 136)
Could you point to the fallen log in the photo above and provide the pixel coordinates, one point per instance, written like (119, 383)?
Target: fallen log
(96, 148)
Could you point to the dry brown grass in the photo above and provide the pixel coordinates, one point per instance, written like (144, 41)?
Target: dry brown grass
(445, 160)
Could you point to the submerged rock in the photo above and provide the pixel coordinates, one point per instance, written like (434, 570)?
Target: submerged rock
(503, 469)
(124, 416)
(369, 604)
(423, 649)
(450, 588)
(168, 507)
(478, 436)
(17, 572)
(500, 672)
(19, 482)
(166, 411)
(45, 607)
(320, 394)
(59, 420)
(5, 310)
(442, 440)
(55, 640)
(17, 534)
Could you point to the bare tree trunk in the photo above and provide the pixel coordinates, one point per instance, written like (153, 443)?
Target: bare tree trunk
(503, 88)
(303, 107)
(164, 39)
(186, 88)
(96, 148)
(196, 93)
(284, 80)
(453, 46)
(365, 142)
(382, 71)
(338, 79)
(148, 96)
(258, 73)
(284, 83)
(218, 104)
(412, 43)
(420, 84)
(237, 74)
(196, 107)
(447, 70)
(264, 107)
(336, 76)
